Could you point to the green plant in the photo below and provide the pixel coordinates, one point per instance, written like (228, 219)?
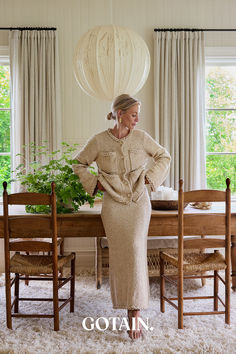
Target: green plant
(69, 191)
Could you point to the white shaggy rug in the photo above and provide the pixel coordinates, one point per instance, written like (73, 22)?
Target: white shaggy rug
(207, 334)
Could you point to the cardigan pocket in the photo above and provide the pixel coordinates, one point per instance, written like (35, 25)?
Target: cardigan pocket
(137, 158)
(107, 161)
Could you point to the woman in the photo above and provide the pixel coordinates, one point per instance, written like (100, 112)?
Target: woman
(121, 154)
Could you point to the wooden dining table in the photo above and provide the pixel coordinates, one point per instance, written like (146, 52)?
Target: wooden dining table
(87, 222)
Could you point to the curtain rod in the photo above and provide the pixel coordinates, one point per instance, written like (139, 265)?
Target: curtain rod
(28, 28)
(195, 29)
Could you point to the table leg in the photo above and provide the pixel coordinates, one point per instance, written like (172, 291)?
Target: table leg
(233, 260)
(203, 280)
(98, 263)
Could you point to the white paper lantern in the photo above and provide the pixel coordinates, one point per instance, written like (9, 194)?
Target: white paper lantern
(111, 60)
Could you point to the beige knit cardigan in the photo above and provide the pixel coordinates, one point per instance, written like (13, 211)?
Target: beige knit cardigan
(122, 164)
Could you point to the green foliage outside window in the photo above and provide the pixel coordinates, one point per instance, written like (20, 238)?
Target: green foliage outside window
(5, 120)
(221, 127)
(4, 86)
(5, 171)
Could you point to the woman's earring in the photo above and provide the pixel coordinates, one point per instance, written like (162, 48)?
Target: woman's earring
(120, 120)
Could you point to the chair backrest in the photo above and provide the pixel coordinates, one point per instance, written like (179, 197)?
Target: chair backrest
(29, 226)
(215, 219)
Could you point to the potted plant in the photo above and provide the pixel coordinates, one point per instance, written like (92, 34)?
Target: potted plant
(58, 168)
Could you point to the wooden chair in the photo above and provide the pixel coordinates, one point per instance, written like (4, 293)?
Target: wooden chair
(35, 266)
(190, 267)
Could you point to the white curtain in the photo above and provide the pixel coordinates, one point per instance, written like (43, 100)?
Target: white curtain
(35, 92)
(179, 77)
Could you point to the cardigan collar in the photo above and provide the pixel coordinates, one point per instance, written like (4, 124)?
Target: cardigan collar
(117, 139)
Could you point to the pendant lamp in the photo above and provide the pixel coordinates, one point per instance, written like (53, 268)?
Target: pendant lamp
(111, 60)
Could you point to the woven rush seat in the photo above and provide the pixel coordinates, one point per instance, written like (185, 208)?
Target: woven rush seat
(153, 259)
(36, 264)
(197, 261)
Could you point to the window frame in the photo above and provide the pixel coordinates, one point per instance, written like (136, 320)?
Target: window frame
(222, 56)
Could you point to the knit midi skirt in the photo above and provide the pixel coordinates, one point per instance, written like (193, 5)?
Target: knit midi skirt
(126, 228)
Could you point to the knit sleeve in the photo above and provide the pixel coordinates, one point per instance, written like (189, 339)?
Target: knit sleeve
(85, 157)
(158, 171)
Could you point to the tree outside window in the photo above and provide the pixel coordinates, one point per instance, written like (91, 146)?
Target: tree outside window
(221, 126)
(5, 125)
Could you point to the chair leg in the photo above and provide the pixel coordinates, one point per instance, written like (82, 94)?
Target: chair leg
(8, 300)
(227, 295)
(180, 300)
(27, 277)
(216, 289)
(72, 285)
(162, 285)
(16, 305)
(62, 254)
(62, 248)
(55, 302)
(203, 280)
(98, 262)
(26, 280)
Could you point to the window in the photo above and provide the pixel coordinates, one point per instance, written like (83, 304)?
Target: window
(221, 120)
(5, 117)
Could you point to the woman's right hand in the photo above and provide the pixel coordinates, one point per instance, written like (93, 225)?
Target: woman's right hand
(100, 187)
